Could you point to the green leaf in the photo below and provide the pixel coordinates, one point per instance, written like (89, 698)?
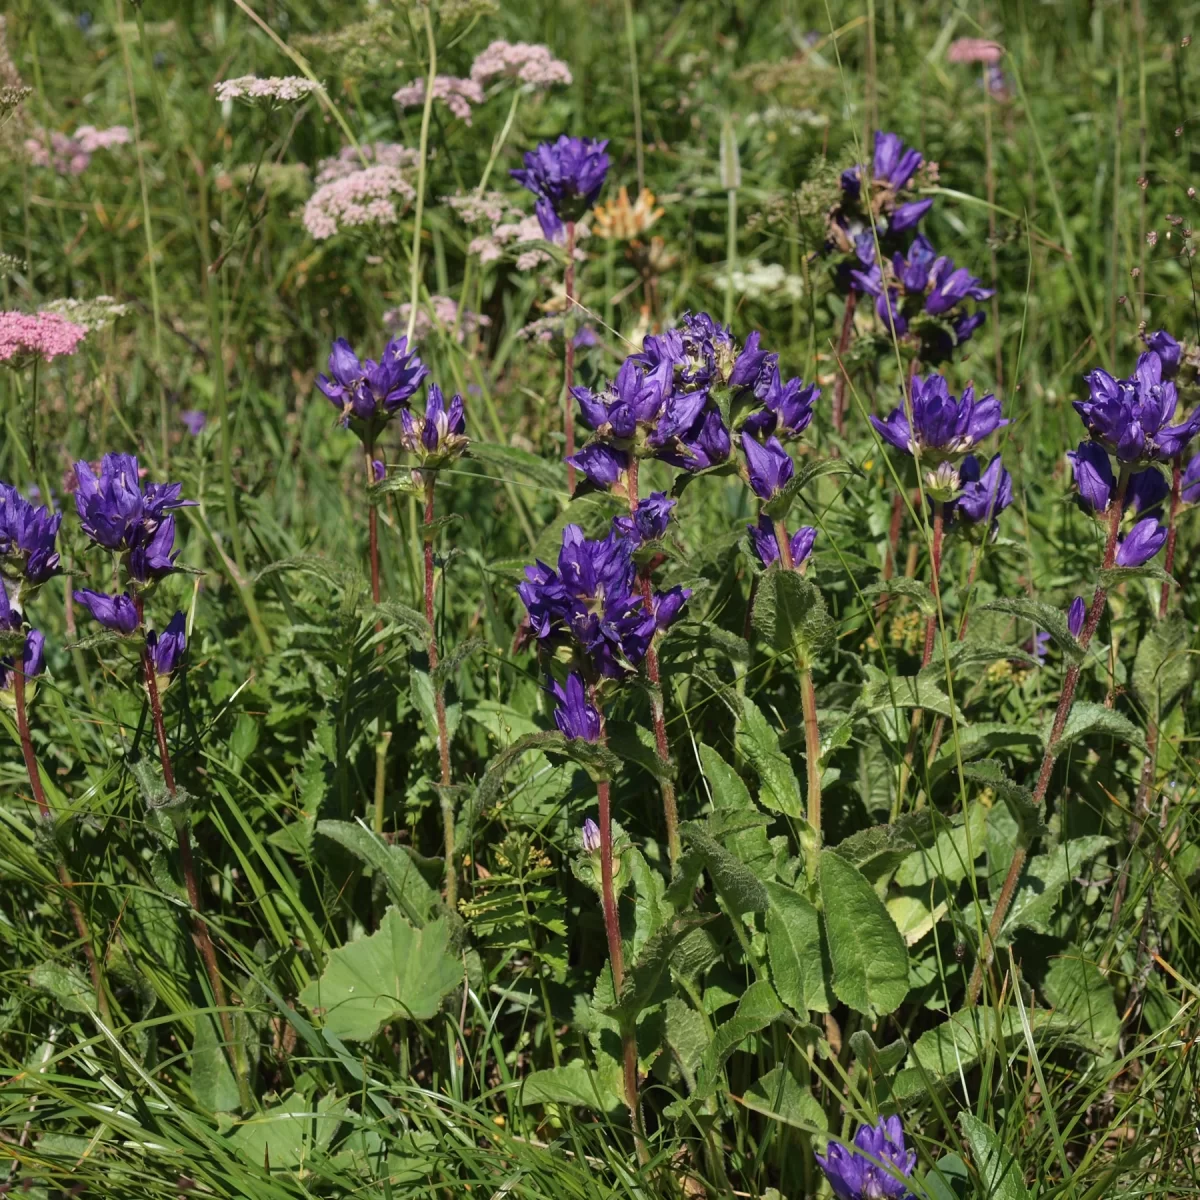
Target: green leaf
(685, 478)
(948, 1179)
(1162, 669)
(730, 797)
(399, 615)
(593, 513)
(1043, 882)
(880, 849)
(289, 1135)
(103, 640)
(798, 959)
(778, 1095)
(790, 615)
(333, 573)
(891, 692)
(780, 791)
(1044, 616)
(648, 978)
(544, 472)
(446, 669)
(1078, 991)
(66, 984)
(777, 508)
(1113, 577)
(738, 886)
(903, 587)
(573, 1084)
(882, 1061)
(870, 962)
(1087, 717)
(399, 481)
(428, 530)
(1000, 1172)
(950, 856)
(1017, 798)
(397, 971)
(758, 1008)
(213, 1083)
(636, 744)
(405, 884)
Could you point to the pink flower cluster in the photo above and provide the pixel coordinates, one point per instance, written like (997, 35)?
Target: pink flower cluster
(456, 94)
(278, 89)
(526, 61)
(71, 154)
(25, 336)
(441, 313)
(515, 231)
(366, 197)
(348, 160)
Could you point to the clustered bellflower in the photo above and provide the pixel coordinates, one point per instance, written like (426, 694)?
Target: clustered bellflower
(369, 392)
(877, 1167)
(892, 171)
(593, 601)
(983, 495)
(942, 426)
(1129, 417)
(27, 538)
(438, 437)
(120, 514)
(766, 545)
(566, 177)
(1190, 481)
(575, 714)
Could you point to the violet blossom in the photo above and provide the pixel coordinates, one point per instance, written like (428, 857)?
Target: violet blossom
(984, 494)
(437, 437)
(768, 467)
(875, 1168)
(766, 545)
(566, 177)
(28, 534)
(589, 837)
(372, 392)
(649, 522)
(1190, 481)
(166, 649)
(1168, 350)
(575, 714)
(118, 613)
(115, 509)
(1141, 543)
(1076, 615)
(941, 425)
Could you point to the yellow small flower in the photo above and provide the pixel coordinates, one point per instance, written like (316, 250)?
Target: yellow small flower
(621, 220)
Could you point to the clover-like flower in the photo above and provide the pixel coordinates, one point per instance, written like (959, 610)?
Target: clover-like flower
(766, 545)
(575, 714)
(436, 438)
(372, 392)
(876, 1168)
(166, 649)
(768, 467)
(1128, 417)
(118, 613)
(566, 177)
(27, 538)
(942, 426)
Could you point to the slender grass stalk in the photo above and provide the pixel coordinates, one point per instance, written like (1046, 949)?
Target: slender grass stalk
(381, 749)
(439, 699)
(842, 378)
(422, 163)
(569, 357)
(989, 180)
(1061, 713)
(47, 818)
(636, 93)
(654, 674)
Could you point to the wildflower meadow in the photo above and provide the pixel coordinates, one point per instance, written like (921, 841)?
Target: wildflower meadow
(599, 600)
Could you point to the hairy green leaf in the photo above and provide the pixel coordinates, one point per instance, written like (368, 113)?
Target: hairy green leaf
(1162, 669)
(799, 960)
(790, 615)
(1044, 616)
(1000, 1172)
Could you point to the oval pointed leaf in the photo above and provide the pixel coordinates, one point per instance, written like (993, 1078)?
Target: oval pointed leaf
(798, 960)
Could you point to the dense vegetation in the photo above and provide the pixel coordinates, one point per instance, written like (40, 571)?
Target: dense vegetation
(391, 806)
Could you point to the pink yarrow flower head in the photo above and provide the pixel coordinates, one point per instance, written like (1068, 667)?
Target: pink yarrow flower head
(974, 50)
(273, 91)
(70, 154)
(351, 159)
(366, 197)
(456, 94)
(527, 62)
(28, 336)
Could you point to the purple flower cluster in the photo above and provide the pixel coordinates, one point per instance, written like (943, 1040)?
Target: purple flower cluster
(662, 403)
(942, 426)
(983, 495)
(27, 538)
(1095, 481)
(892, 171)
(1129, 417)
(593, 601)
(576, 716)
(566, 177)
(877, 1167)
(371, 392)
(436, 438)
(117, 513)
(922, 282)
(166, 649)
(766, 544)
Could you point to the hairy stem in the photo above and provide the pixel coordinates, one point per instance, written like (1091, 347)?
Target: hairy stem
(658, 713)
(839, 385)
(439, 701)
(1065, 702)
(569, 357)
(64, 876)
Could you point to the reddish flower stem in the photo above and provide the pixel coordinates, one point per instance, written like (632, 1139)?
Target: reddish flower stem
(439, 702)
(839, 383)
(1065, 702)
(569, 357)
(64, 876)
(653, 673)
(187, 865)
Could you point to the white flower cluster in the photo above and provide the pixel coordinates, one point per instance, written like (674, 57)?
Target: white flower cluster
(277, 89)
(767, 282)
